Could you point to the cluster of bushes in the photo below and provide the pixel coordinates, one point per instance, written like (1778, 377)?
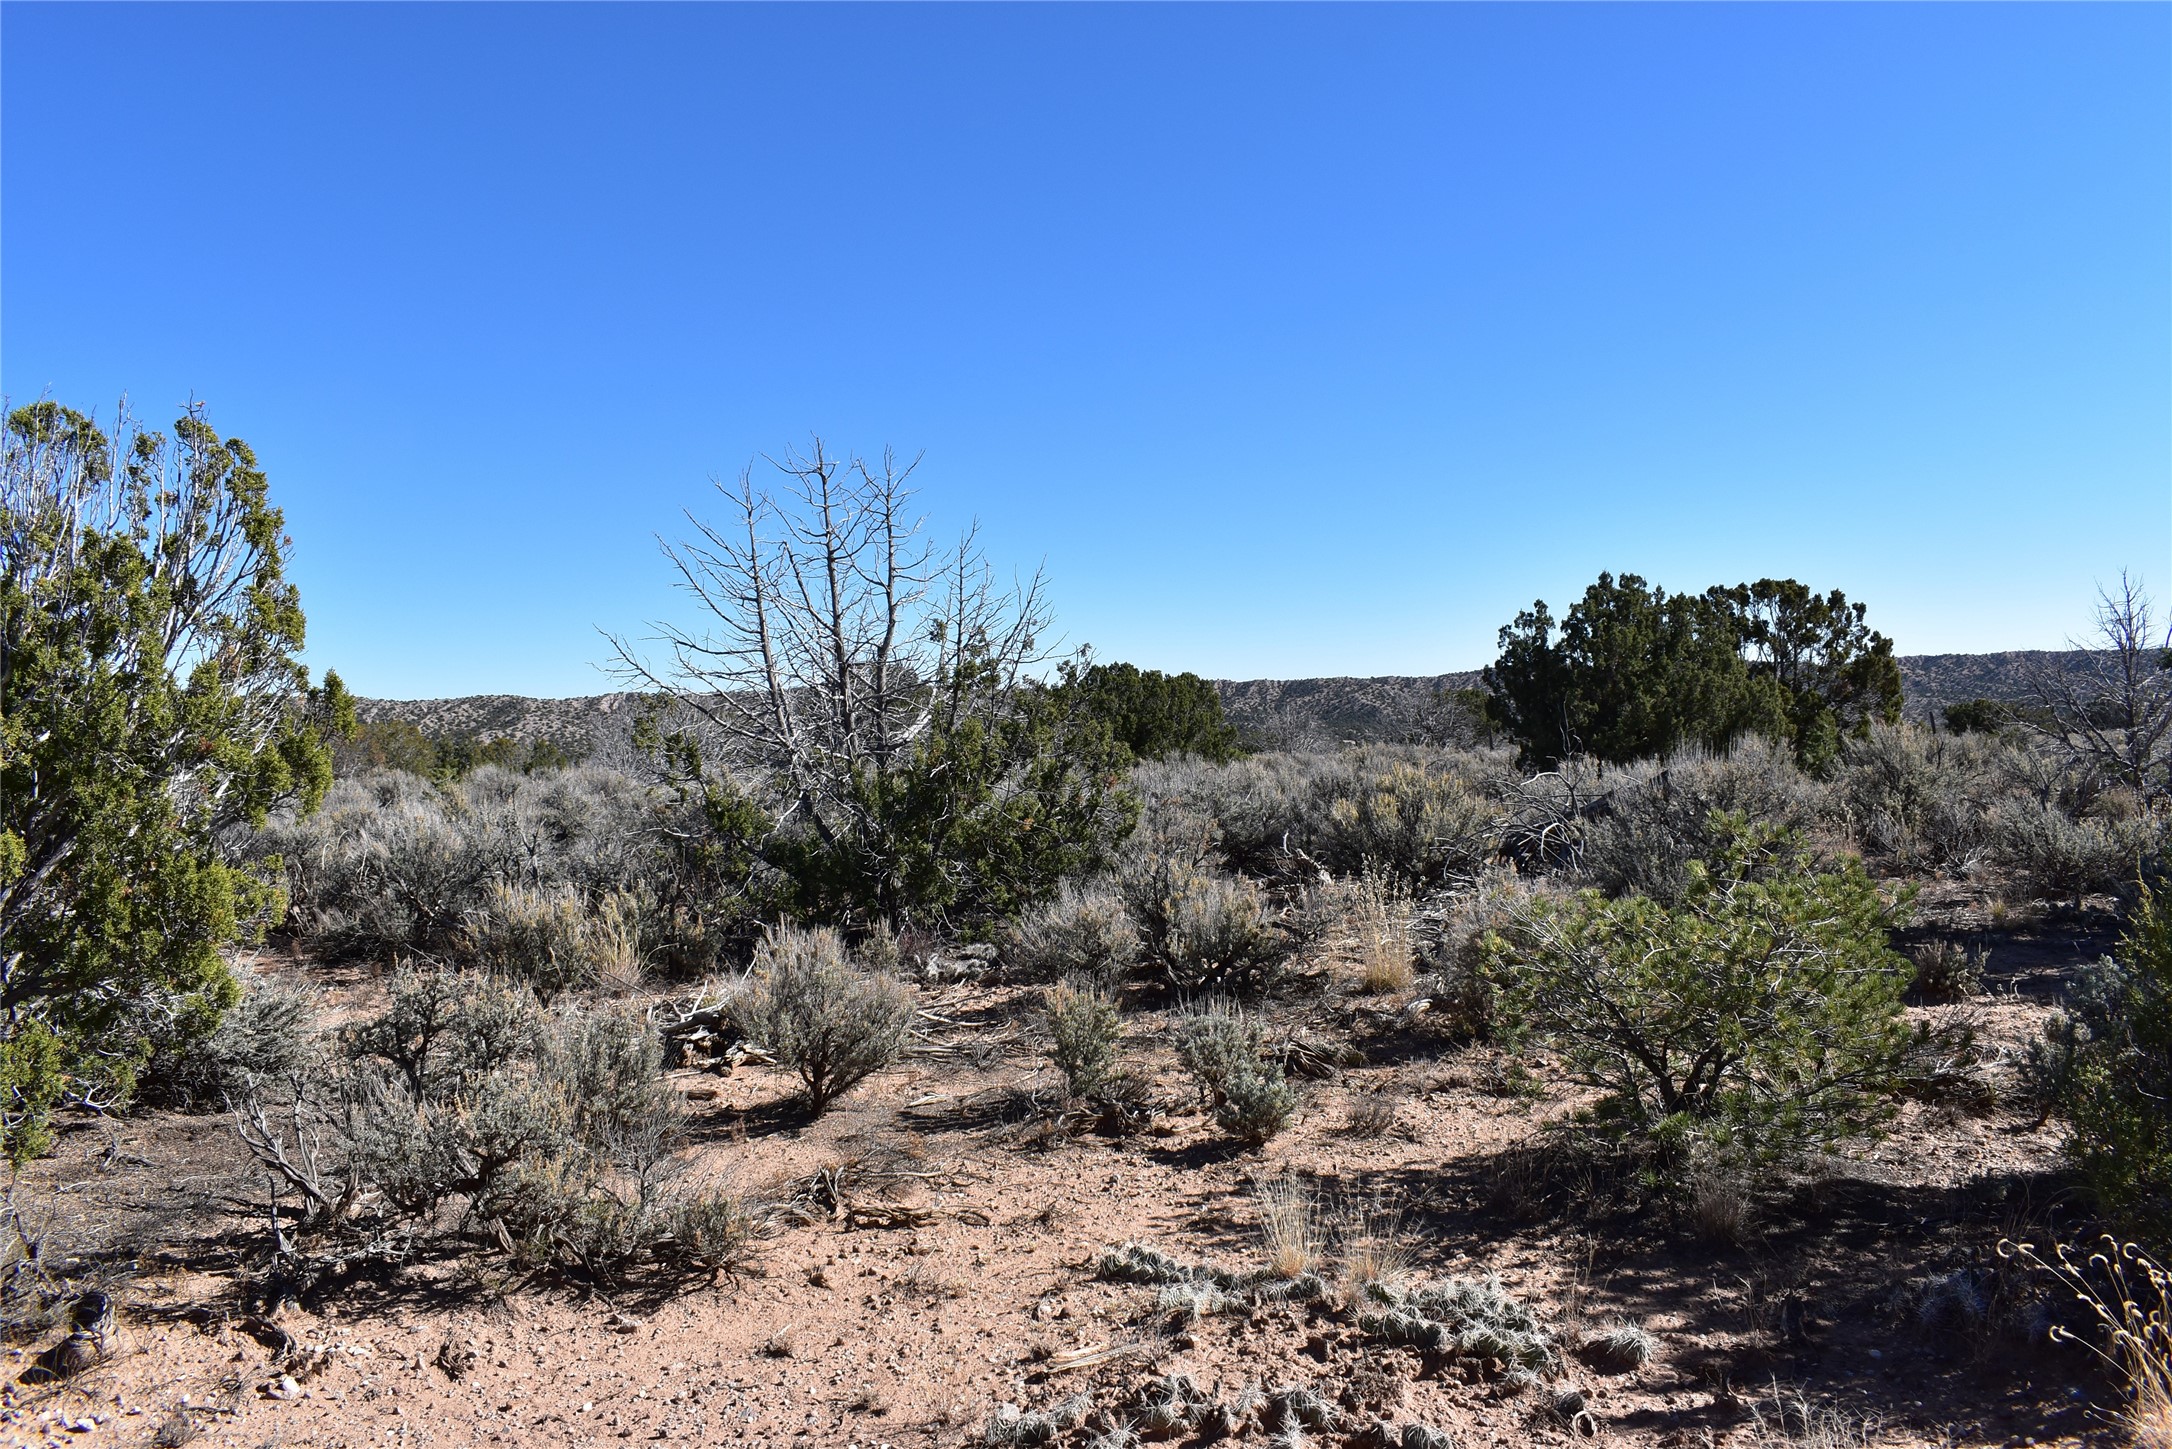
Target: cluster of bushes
(1168, 906)
(398, 744)
(467, 1112)
(1707, 911)
(566, 879)
(1909, 799)
(561, 878)
(1424, 815)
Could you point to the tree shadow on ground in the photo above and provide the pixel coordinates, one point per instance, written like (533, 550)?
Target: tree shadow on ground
(1857, 1293)
(990, 1109)
(777, 1117)
(2033, 958)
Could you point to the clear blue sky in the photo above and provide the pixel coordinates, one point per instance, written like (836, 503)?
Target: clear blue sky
(1294, 340)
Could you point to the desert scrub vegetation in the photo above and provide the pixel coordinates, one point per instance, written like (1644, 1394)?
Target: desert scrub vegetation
(267, 1035)
(466, 1112)
(1083, 1030)
(1224, 1049)
(1415, 820)
(1662, 815)
(1461, 993)
(552, 939)
(1085, 932)
(2058, 856)
(395, 863)
(833, 1023)
(2105, 1063)
(1207, 929)
(1755, 1021)
(1919, 803)
(1918, 800)
(1218, 933)
(1419, 814)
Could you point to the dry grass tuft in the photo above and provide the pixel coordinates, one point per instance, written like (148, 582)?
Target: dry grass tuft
(1380, 913)
(1721, 1206)
(1378, 1114)
(1791, 1421)
(1371, 1240)
(1289, 1225)
(2130, 1296)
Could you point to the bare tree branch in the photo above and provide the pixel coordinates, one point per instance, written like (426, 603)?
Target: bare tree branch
(2111, 715)
(830, 634)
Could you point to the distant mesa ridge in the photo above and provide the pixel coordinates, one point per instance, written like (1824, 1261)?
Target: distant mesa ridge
(1289, 713)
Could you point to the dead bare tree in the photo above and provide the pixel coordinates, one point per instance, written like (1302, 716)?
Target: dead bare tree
(833, 637)
(2111, 714)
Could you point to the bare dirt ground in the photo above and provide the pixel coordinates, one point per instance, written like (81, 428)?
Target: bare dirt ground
(939, 1265)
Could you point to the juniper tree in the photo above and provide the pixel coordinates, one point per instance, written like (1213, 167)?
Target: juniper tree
(150, 697)
(1636, 672)
(1154, 715)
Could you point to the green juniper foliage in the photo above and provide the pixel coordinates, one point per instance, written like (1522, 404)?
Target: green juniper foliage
(1838, 673)
(1154, 715)
(398, 744)
(1007, 793)
(1757, 1019)
(1988, 716)
(2109, 1070)
(149, 697)
(1636, 672)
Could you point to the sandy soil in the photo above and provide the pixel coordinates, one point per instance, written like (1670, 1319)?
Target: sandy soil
(948, 1272)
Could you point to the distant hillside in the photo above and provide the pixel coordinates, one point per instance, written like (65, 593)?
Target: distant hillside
(1937, 680)
(1311, 713)
(598, 727)
(1284, 713)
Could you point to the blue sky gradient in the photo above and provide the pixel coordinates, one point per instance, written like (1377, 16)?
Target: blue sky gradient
(1294, 340)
